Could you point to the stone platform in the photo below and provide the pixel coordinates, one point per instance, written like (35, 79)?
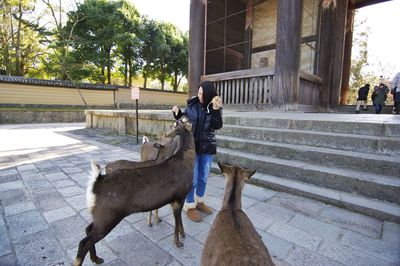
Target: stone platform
(43, 176)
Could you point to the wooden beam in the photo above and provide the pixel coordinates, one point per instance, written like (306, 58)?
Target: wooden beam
(287, 60)
(196, 44)
(331, 52)
(348, 44)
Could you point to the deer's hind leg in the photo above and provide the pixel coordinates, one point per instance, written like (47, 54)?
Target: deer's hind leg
(92, 251)
(177, 210)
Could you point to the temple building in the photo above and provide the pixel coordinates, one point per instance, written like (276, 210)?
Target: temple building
(273, 54)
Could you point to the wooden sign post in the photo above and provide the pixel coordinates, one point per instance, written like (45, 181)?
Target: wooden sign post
(135, 91)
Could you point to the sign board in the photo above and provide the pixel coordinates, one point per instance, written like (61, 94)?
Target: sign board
(135, 93)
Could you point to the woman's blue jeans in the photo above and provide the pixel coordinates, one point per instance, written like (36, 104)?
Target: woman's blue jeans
(202, 166)
(378, 108)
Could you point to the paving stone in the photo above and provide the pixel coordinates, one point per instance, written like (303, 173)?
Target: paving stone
(294, 235)
(56, 176)
(155, 232)
(36, 184)
(214, 202)
(214, 191)
(79, 177)
(50, 170)
(353, 221)
(14, 196)
(391, 233)
(248, 202)
(277, 247)
(9, 178)
(32, 176)
(71, 191)
(273, 212)
(122, 229)
(71, 170)
(49, 199)
(349, 256)
(303, 257)
(209, 219)
(27, 168)
(19, 208)
(316, 227)
(190, 227)
(63, 183)
(77, 202)
(102, 250)
(202, 236)
(8, 172)
(8, 260)
(258, 193)
(216, 180)
(11, 186)
(135, 217)
(1, 220)
(136, 248)
(26, 223)
(297, 204)
(189, 254)
(5, 247)
(259, 221)
(40, 249)
(116, 262)
(174, 263)
(70, 231)
(58, 214)
(371, 246)
(86, 215)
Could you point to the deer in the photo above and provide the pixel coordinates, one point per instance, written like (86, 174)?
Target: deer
(141, 187)
(232, 239)
(150, 151)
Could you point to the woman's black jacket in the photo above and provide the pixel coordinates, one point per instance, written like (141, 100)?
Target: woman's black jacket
(204, 123)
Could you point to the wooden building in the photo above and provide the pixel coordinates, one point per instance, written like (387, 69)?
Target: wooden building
(273, 54)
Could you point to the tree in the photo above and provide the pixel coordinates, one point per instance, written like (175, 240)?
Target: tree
(359, 76)
(128, 44)
(179, 55)
(95, 36)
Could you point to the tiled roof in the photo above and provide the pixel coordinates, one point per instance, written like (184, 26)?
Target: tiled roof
(55, 83)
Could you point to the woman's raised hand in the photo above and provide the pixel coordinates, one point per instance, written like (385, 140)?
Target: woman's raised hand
(216, 103)
(175, 109)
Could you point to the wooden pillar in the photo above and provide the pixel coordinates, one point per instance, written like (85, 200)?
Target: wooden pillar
(196, 44)
(348, 44)
(287, 59)
(331, 52)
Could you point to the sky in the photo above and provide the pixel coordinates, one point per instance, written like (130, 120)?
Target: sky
(382, 20)
(173, 11)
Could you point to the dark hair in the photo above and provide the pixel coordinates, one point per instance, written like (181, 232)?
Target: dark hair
(367, 85)
(209, 92)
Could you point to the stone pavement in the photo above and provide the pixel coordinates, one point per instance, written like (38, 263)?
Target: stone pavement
(43, 175)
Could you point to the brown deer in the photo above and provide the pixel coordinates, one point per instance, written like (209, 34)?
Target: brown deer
(232, 239)
(112, 197)
(150, 151)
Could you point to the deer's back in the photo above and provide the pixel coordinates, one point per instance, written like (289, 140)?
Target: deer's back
(233, 240)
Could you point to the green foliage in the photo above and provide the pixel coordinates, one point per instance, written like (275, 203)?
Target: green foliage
(100, 41)
(359, 76)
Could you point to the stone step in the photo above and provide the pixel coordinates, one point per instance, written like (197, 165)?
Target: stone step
(376, 208)
(348, 142)
(371, 163)
(360, 124)
(367, 184)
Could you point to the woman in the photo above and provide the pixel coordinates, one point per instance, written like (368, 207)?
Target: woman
(204, 112)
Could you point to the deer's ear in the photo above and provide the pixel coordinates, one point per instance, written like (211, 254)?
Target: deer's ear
(226, 169)
(246, 173)
(176, 144)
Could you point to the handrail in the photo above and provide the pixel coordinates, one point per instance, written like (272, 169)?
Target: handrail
(246, 73)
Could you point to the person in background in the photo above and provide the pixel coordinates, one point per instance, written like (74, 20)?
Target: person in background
(362, 98)
(395, 91)
(379, 97)
(205, 113)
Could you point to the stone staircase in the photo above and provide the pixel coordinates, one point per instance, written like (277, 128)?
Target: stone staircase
(348, 160)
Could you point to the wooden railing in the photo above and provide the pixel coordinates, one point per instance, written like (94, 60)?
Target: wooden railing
(254, 87)
(250, 86)
(310, 89)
